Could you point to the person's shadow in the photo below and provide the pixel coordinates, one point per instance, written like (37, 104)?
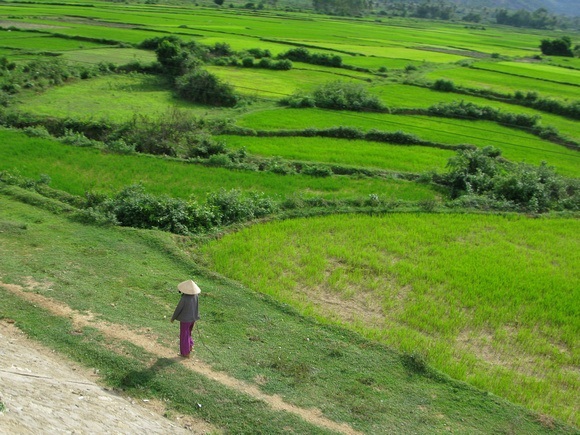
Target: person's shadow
(143, 378)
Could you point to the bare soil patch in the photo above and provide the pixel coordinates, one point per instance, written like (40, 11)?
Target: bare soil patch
(41, 391)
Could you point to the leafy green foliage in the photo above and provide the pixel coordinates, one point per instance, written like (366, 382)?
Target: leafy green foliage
(200, 86)
(133, 207)
(482, 172)
(301, 54)
(341, 7)
(462, 109)
(338, 95)
(557, 47)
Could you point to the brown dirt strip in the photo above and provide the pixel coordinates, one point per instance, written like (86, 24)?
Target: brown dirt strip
(149, 343)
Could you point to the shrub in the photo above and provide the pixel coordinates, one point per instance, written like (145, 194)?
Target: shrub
(557, 47)
(398, 137)
(248, 62)
(37, 131)
(482, 172)
(282, 65)
(232, 207)
(464, 109)
(120, 146)
(259, 53)
(279, 166)
(301, 54)
(200, 86)
(317, 171)
(443, 85)
(77, 139)
(340, 95)
(202, 145)
(299, 101)
(266, 62)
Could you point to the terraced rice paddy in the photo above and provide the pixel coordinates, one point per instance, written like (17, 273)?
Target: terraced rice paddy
(487, 299)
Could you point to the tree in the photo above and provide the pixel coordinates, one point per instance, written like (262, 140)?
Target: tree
(174, 58)
(342, 7)
(218, 2)
(557, 47)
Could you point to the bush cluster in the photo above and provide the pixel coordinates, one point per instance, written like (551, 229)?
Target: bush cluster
(200, 86)
(133, 207)
(483, 176)
(301, 54)
(182, 61)
(38, 74)
(338, 95)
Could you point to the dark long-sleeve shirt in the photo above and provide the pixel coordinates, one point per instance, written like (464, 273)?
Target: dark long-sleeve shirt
(187, 309)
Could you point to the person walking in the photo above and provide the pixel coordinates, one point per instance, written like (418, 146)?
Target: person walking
(187, 312)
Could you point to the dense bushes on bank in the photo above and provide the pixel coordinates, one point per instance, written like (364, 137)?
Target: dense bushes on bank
(338, 95)
(482, 175)
(301, 54)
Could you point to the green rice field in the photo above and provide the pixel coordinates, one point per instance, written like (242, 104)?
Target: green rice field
(490, 80)
(487, 299)
(516, 145)
(78, 170)
(110, 97)
(533, 70)
(407, 96)
(415, 159)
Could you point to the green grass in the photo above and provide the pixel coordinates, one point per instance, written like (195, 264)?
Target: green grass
(127, 276)
(117, 56)
(448, 276)
(117, 97)
(346, 152)
(489, 299)
(277, 84)
(516, 145)
(77, 170)
(44, 43)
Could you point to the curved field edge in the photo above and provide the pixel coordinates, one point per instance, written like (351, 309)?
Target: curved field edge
(127, 277)
(491, 300)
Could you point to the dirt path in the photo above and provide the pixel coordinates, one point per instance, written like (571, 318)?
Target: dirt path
(150, 344)
(40, 391)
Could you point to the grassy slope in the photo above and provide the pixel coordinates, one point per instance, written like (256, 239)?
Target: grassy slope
(128, 276)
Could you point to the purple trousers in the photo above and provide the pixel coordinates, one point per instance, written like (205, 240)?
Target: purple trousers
(185, 339)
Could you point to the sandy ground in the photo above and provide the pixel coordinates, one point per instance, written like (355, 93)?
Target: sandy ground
(41, 392)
